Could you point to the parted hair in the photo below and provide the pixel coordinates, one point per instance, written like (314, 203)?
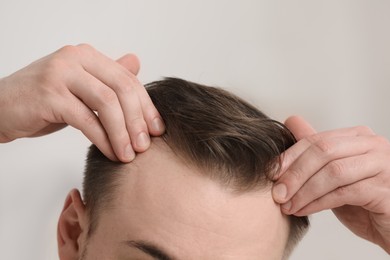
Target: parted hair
(228, 139)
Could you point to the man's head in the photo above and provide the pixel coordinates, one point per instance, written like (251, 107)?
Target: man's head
(202, 190)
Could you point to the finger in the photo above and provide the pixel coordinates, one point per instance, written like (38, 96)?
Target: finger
(99, 97)
(291, 154)
(313, 159)
(134, 117)
(130, 62)
(151, 115)
(370, 194)
(299, 127)
(126, 87)
(77, 114)
(335, 174)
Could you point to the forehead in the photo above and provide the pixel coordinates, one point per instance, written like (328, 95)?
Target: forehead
(168, 202)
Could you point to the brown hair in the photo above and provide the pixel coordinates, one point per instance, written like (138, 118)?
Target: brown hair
(228, 139)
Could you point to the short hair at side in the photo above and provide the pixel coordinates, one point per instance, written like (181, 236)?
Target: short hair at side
(230, 140)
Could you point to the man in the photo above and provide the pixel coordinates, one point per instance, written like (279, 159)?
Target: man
(346, 170)
(202, 191)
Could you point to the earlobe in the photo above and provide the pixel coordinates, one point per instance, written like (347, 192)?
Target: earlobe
(72, 227)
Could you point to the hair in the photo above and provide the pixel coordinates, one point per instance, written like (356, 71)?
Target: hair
(231, 141)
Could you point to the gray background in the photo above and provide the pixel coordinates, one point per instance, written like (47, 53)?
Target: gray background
(326, 60)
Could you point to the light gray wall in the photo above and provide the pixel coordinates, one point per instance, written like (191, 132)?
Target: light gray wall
(326, 60)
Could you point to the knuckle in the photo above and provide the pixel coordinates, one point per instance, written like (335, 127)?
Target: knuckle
(85, 47)
(364, 130)
(135, 120)
(107, 97)
(67, 50)
(324, 147)
(295, 174)
(127, 88)
(136, 124)
(90, 119)
(150, 111)
(335, 169)
(85, 118)
(74, 51)
(132, 79)
(56, 64)
(313, 139)
(342, 191)
(127, 84)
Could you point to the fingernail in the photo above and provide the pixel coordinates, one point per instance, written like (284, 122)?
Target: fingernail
(129, 152)
(279, 192)
(158, 125)
(143, 140)
(287, 206)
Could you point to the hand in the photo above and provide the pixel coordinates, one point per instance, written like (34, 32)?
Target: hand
(81, 87)
(346, 170)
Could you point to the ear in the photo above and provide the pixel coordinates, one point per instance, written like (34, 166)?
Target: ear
(299, 127)
(72, 227)
(130, 62)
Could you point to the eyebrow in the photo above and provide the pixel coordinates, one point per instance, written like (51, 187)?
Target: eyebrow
(150, 249)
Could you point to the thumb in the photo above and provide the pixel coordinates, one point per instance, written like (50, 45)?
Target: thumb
(299, 127)
(130, 62)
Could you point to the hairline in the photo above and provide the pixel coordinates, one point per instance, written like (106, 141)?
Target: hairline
(183, 153)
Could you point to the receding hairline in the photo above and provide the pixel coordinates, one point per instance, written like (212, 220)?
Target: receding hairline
(160, 144)
(166, 95)
(254, 198)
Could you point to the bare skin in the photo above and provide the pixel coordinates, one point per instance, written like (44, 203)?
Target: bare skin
(346, 170)
(67, 88)
(166, 202)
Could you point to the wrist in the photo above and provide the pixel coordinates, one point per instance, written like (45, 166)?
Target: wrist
(3, 108)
